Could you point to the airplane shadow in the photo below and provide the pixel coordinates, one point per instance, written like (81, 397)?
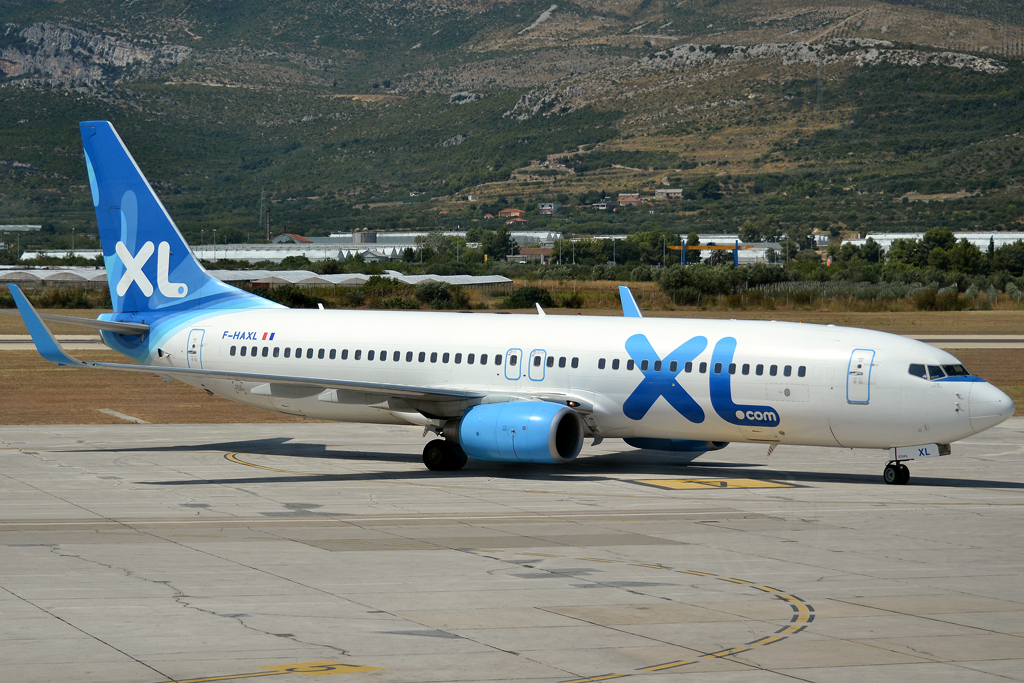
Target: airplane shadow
(602, 467)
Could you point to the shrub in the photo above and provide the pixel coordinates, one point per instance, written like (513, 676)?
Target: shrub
(526, 297)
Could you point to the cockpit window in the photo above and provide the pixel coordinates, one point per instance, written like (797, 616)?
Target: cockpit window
(917, 370)
(935, 372)
(955, 370)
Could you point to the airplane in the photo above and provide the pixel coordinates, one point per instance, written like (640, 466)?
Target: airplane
(510, 388)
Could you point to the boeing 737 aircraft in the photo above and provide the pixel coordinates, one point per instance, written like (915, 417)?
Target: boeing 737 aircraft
(515, 388)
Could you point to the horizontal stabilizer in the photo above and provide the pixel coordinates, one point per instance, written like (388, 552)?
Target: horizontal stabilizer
(91, 323)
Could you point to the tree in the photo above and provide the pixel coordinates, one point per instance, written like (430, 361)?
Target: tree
(496, 244)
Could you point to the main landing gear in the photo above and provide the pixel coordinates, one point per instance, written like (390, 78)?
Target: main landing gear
(441, 455)
(896, 473)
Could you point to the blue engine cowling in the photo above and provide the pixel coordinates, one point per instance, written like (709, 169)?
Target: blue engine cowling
(519, 431)
(678, 445)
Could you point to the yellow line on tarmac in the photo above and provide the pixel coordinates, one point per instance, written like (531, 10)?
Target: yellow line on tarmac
(669, 665)
(232, 458)
(606, 677)
(231, 677)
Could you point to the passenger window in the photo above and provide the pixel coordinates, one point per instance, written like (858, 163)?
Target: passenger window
(483, 359)
(358, 354)
(732, 368)
(512, 360)
(773, 370)
(759, 370)
(383, 355)
(344, 354)
(458, 358)
(657, 366)
(629, 364)
(397, 356)
(688, 366)
(309, 353)
(536, 361)
(702, 368)
(245, 350)
(497, 359)
(319, 354)
(935, 372)
(718, 368)
(788, 370)
(233, 349)
(600, 363)
(370, 354)
(334, 354)
(615, 364)
(470, 358)
(801, 371)
(746, 368)
(287, 352)
(433, 356)
(422, 357)
(673, 366)
(446, 357)
(266, 351)
(561, 362)
(408, 356)
(298, 352)
(277, 351)
(551, 361)
(575, 362)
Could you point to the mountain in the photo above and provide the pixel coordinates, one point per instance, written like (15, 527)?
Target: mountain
(858, 116)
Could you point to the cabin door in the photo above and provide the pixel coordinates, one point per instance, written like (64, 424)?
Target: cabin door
(195, 349)
(858, 376)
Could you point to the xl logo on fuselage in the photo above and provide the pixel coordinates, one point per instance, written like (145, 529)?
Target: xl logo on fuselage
(133, 271)
(660, 382)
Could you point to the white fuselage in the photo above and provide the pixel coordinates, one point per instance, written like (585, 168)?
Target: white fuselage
(843, 387)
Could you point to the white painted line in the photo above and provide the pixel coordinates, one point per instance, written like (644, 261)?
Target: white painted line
(122, 416)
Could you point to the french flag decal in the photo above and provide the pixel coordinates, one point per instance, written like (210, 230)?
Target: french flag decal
(271, 338)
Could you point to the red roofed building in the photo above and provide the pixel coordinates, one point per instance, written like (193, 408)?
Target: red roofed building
(289, 238)
(511, 213)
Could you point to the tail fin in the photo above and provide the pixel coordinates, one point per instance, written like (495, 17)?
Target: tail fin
(149, 265)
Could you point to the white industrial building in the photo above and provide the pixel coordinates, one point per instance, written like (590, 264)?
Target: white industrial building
(978, 239)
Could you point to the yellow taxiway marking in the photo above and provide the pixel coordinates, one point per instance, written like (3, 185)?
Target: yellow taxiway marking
(680, 484)
(306, 668)
(606, 677)
(668, 665)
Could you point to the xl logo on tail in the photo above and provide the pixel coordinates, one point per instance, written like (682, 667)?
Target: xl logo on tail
(133, 266)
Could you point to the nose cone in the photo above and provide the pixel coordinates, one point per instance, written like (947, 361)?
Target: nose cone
(988, 406)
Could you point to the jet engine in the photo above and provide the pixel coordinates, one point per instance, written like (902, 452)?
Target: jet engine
(519, 431)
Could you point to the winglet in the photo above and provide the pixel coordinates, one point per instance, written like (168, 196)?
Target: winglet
(629, 306)
(47, 345)
(540, 311)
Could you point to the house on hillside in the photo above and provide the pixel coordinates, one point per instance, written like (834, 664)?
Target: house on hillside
(548, 209)
(630, 199)
(516, 221)
(289, 238)
(511, 213)
(668, 193)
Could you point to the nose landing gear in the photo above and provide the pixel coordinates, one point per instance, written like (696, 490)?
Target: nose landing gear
(441, 455)
(896, 473)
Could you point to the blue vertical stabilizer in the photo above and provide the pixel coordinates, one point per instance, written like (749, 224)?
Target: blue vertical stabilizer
(149, 265)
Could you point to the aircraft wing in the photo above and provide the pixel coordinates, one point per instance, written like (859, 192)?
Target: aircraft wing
(433, 400)
(91, 323)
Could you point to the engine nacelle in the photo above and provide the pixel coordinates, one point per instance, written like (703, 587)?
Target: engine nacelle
(519, 431)
(678, 445)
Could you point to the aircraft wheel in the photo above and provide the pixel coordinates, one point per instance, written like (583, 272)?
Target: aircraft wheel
(891, 475)
(904, 474)
(442, 456)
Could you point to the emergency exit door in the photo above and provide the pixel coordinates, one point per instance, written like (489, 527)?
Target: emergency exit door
(858, 376)
(195, 349)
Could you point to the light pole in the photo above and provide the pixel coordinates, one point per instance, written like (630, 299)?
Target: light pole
(72, 242)
(215, 244)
